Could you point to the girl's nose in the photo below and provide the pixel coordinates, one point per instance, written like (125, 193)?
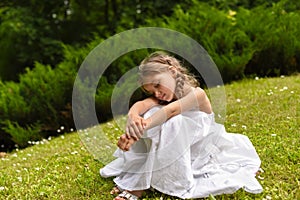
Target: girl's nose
(157, 94)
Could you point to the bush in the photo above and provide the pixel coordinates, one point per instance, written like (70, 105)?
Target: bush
(38, 105)
(275, 34)
(262, 41)
(217, 32)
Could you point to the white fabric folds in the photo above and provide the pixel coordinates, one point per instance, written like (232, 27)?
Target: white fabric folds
(189, 156)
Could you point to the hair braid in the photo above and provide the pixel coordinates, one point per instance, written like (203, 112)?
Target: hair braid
(180, 80)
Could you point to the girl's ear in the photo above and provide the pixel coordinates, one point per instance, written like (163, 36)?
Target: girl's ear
(173, 71)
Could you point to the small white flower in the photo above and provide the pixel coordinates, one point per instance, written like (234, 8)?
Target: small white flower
(268, 197)
(244, 127)
(71, 130)
(292, 92)
(233, 125)
(19, 178)
(273, 135)
(58, 130)
(67, 167)
(62, 128)
(282, 76)
(74, 152)
(2, 188)
(256, 78)
(238, 100)
(37, 169)
(29, 154)
(62, 137)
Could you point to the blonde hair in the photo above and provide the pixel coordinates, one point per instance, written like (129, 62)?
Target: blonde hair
(159, 62)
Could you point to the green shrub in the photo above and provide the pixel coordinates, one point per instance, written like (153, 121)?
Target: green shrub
(262, 41)
(275, 34)
(217, 32)
(13, 106)
(20, 135)
(38, 105)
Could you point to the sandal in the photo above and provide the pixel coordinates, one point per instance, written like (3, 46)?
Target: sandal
(127, 196)
(116, 190)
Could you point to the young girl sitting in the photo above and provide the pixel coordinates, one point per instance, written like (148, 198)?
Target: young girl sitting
(173, 144)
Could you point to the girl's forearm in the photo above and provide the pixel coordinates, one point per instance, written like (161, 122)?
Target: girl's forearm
(140, 107)
(163, 114)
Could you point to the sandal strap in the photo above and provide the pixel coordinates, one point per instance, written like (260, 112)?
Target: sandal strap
(128, 196)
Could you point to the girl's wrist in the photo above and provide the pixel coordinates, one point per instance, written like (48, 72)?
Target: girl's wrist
(147, 123)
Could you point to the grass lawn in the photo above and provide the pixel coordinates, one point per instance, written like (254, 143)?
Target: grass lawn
(266, 110)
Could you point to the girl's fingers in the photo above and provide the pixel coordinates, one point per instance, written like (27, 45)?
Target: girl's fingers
(129, 144)
(127, 132)
(122, 142)
(133, 133)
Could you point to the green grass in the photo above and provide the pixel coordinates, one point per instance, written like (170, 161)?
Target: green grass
(266, 110)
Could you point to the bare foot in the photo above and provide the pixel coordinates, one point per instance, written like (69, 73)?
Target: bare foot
(116, 190)
(137, 193)
(125, 143)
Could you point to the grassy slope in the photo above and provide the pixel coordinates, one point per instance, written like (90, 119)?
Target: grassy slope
(268, 112)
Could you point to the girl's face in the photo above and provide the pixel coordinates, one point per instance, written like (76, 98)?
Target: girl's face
(161, 85)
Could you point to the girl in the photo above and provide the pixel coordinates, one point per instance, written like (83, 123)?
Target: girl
(173, 144)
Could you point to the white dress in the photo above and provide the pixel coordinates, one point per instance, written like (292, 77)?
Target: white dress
(188, 156)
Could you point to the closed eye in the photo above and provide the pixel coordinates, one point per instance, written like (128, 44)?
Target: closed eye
(146, 91)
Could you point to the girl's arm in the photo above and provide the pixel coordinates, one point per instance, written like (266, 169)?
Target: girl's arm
(135, 123)
(197, 98)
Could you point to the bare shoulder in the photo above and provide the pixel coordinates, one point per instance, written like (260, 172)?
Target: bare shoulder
(203, 100)
(199, 92)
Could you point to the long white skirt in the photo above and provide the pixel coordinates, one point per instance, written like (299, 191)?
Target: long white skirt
(189, 156)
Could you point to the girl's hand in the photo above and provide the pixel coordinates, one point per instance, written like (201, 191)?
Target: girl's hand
(125, 143)
(135, 126)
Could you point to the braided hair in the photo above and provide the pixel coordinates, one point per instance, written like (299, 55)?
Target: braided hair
(158, 62)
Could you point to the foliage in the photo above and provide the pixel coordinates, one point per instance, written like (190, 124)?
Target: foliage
(274, 33)
(35, 31)
(62, 168)
(39, 103)
(216, 30)
(262, 41)
(23, 42)
(21, 135)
